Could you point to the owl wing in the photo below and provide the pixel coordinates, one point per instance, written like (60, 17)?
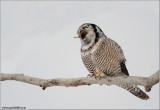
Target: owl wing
(87, 61)
(109, 58)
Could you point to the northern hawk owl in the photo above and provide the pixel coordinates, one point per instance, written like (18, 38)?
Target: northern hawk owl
(104, 57)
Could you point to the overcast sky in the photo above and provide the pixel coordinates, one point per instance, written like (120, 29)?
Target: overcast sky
(37, 40)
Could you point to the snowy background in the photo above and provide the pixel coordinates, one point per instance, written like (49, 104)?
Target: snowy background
(37, 40)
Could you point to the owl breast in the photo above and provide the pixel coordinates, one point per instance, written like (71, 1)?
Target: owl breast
(106, 56)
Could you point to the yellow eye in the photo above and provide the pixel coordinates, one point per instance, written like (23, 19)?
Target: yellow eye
(86, 27)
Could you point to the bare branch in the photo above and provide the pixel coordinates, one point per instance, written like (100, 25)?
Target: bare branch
(147, 82)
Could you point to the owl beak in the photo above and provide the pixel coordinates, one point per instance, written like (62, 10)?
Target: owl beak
(82, 34)
(79, 32)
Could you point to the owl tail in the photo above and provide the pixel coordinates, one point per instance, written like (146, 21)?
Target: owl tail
(136, 91)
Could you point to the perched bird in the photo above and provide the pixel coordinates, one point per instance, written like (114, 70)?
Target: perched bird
(104, 57)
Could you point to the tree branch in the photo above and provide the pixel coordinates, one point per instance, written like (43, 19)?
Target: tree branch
(147, 82)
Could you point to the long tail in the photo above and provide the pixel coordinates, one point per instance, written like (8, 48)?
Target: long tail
(136, 91)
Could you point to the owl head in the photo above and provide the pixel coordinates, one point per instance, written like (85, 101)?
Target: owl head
(89, 34)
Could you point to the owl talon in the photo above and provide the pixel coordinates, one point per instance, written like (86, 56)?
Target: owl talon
(91, 75)
(100, 77)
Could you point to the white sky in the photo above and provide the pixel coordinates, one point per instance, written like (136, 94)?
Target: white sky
(37, 40)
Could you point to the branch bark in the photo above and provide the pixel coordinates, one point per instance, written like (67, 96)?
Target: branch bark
(147, 82)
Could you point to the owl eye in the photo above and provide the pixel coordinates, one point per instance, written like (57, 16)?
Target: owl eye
(86, 26)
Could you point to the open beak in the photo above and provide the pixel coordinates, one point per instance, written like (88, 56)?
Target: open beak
(79, 32)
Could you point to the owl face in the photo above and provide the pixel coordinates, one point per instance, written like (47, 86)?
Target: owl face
(84, 30)
(86, 33)
(89, 33)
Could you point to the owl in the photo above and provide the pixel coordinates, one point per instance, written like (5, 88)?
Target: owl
(104, 57)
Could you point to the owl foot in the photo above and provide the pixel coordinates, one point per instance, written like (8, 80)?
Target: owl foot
(99, 75)
(91, 75)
